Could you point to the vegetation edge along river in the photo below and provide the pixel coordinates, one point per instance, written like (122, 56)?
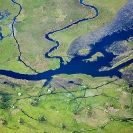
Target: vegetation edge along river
(82, 102)
(77, 64)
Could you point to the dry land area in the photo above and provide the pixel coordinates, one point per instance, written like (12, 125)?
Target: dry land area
(39, 18)
(96, 105)
(75, 103)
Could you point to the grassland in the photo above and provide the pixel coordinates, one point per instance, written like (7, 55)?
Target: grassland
(107, 11)
(42, 17)
(31, 26)
(131, 43)
(98, 105)
(8, 47)
(84, 51)
(9, 57)
(91, 107)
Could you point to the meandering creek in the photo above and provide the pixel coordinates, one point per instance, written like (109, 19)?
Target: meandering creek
(77, 64)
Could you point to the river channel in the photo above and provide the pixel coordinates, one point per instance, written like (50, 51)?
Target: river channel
(77, 64)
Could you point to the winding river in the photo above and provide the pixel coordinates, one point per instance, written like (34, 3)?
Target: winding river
(13, 33)
(66, 27)
(77, 64)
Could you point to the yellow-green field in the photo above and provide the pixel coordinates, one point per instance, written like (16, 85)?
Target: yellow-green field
(40, 17)
(96, 106)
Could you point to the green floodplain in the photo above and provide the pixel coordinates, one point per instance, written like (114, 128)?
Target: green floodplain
(98, 105)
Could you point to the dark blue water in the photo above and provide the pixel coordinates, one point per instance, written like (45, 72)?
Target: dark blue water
(4, 14)
(77, 64)
(1, 37)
